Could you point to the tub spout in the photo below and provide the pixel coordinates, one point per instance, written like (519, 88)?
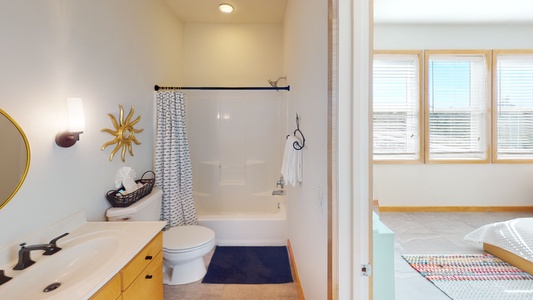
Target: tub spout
(278, 192)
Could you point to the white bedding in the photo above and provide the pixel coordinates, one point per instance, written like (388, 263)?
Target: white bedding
(515, 236)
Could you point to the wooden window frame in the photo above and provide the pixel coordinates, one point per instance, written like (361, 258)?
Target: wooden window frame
(421, 135)
(494, 143)
(488, 121)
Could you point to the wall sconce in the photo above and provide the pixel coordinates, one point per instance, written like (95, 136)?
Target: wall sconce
(76, 120)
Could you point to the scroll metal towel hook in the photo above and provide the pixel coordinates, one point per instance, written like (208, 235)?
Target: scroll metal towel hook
(296, 144)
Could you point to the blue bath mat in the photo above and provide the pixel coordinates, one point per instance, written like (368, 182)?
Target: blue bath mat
(249, 265)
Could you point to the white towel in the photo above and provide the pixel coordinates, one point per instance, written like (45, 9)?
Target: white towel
(292, 165)
(300, 165)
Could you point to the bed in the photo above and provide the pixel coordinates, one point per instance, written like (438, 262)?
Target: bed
(510, 240)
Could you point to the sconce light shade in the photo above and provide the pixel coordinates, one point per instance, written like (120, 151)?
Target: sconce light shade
(76, 118)
(76, 121)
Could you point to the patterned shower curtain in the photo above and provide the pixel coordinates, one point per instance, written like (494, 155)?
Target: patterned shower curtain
(172, 160)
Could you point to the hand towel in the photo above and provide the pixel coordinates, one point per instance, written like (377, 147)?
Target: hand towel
(300, 165)
(292, 165)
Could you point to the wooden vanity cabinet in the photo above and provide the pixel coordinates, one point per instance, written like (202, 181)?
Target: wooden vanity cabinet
(149, 283)
(140, 279)
(111, 290)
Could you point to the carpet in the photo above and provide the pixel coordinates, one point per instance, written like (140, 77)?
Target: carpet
(249, 265)
(474, 276)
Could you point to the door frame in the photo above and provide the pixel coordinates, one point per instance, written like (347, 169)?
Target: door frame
(350, 43)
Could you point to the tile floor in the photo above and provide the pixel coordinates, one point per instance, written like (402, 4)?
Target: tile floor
(201, 291)
(432, 233)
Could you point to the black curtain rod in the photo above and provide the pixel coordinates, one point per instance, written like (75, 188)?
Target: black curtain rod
(273, 88)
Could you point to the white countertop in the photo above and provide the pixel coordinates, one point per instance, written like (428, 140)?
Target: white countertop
(91, 254)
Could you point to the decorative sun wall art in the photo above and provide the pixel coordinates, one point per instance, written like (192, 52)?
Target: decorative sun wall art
(124, 133)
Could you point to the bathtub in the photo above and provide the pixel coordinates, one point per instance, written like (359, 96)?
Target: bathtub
(257, 229)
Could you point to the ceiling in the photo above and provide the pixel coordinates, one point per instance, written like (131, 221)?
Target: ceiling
(385, 11)
(453, 11)
(246, 11)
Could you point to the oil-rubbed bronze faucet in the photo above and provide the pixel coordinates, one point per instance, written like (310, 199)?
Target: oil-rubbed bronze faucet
(3, 277)
(24, 252)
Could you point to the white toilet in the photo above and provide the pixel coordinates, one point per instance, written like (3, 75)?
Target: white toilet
(183, 246)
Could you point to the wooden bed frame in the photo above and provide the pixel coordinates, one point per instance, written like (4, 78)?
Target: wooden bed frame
(509, 257)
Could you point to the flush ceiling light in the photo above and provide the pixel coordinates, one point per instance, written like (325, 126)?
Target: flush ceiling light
(225, 8)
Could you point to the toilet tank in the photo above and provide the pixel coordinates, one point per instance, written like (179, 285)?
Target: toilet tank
(146, 209)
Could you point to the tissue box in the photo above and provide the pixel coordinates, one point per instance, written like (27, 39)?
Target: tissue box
(117, 199)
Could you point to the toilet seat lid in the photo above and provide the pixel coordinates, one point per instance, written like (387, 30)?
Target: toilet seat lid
(183, 237)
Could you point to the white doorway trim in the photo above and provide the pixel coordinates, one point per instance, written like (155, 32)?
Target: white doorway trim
(350, 148)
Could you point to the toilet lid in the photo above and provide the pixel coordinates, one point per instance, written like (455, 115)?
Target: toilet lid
(183, 237)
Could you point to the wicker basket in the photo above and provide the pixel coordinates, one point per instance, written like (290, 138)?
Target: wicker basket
(118, 200)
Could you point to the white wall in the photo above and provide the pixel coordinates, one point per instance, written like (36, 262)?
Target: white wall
(453, 184)
(306, 63)
(108, 53)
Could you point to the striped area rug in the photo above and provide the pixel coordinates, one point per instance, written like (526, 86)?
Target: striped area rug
(474, 276)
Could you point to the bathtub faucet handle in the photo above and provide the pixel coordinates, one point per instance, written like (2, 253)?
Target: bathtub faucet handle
(280, 182)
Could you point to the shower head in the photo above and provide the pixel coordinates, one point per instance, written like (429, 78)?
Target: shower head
(275, 83)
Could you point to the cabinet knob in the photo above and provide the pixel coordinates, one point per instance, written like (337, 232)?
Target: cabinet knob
(148, 257)
(148, 277)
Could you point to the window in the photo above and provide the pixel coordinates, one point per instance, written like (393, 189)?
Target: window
(456, 104)
(513, 103)
(396, 106)
(451, 122)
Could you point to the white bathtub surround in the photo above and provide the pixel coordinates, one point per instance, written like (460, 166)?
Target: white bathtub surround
(236, 142)
(266, 229)
(172, 160)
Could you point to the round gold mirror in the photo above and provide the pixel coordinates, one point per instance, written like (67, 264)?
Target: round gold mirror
(14, 157)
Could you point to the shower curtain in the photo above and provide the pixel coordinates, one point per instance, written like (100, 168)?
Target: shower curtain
(172, 160)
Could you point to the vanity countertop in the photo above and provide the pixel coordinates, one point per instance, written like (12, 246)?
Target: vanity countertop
(92, 253)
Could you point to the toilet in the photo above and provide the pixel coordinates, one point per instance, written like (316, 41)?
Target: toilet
(183, 246)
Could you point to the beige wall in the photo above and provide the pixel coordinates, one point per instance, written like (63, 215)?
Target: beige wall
(232, 54)
(108, 53)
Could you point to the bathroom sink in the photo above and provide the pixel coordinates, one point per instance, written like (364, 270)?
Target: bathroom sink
(90, 256)
(64, 271)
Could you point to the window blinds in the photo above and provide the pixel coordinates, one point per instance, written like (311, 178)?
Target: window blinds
(456, 107)
(514, 106)
(396, 112)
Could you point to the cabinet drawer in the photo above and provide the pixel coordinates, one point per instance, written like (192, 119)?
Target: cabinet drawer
(149, 284)
(111, 290)
(141, 260)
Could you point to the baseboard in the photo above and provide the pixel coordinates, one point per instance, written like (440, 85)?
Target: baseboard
(456, 208)
(295, 271)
